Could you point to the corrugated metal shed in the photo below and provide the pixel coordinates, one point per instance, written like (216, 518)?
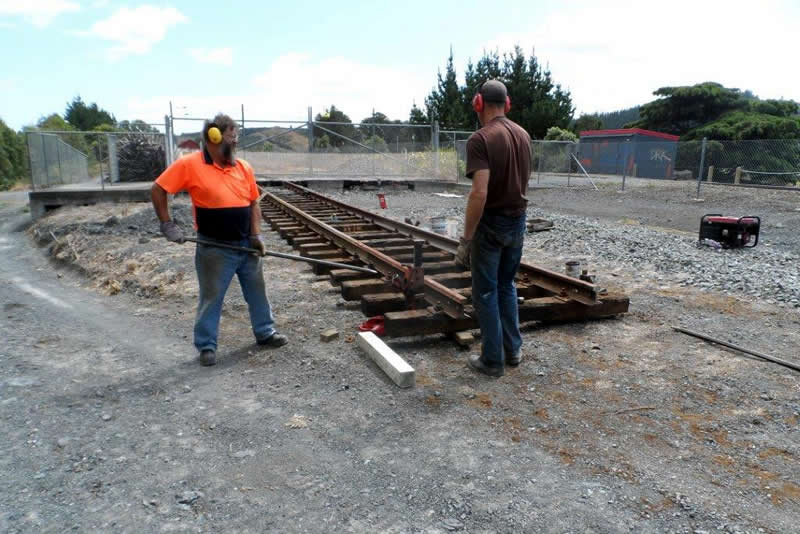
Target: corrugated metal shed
(632, 151)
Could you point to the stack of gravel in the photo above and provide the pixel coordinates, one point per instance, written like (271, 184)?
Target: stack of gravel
(759, 272)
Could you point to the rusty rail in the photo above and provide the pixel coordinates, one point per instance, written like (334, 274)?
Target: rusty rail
(451, 302)
(560, 285)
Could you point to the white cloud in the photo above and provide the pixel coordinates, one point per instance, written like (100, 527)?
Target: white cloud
(613, 56)
(213, 56)
(40, 12)
(291, 84)
(135, 31)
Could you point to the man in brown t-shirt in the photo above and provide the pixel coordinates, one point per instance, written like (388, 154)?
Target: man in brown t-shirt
(498, 162)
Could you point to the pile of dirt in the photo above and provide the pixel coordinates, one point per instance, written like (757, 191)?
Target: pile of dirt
(119, 247)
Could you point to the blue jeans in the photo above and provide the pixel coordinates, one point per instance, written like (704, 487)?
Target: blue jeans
(215, 269)
(495, 258)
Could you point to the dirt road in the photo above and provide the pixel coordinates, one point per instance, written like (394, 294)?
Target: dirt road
(614, 426)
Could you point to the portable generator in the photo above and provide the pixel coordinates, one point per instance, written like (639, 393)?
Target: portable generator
(730, 232)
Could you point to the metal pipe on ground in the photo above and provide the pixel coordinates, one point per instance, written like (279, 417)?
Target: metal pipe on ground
(772, 359)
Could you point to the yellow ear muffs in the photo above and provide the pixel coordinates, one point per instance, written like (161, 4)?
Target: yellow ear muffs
(214, 135)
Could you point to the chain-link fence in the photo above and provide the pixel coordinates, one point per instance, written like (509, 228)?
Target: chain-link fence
(95, 159)
(53, 161)
(774, 163)
(325, 149)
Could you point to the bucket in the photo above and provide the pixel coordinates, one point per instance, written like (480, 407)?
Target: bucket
(573, 268)
(439, 225)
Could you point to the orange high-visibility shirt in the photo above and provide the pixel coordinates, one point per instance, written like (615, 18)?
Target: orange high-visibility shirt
(221, 196)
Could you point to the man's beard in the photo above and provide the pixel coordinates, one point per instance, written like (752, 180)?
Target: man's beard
(227, 152)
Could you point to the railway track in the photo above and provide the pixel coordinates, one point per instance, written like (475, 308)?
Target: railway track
(420, 289)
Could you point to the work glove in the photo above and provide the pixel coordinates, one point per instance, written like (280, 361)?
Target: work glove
(257, 243)
(463, 252)
(172, 231)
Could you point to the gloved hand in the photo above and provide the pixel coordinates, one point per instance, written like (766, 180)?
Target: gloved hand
(463, 252)
(172, 231)
(257, 243)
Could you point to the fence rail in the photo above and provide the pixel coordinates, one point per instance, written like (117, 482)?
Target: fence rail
(321, 149)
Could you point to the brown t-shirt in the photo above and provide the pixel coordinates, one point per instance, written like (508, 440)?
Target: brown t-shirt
(504, 148)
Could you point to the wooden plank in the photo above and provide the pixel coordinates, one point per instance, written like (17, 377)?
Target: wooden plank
(338, 276)
(421, 322)
(457, 280)
(395, 367)
(381, 303)
(324, 254)
(325, 269)
(355, 289)
(311, 247)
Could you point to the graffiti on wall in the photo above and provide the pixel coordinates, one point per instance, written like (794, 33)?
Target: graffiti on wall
(659, 154)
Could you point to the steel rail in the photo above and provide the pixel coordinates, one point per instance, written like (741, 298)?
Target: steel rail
(558, 284)
(451, 302)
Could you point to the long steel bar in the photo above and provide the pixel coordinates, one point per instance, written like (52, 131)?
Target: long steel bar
(449, 300)
(560, 285)
(284, 256)
(704, 337)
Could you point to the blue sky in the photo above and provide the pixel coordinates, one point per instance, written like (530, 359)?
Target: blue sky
(278, 58)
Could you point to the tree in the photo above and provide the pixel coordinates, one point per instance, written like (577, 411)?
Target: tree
(618, 119)
(367, 129)
(55, 123)
(554, 133)
(417, 116)
(136, 126)
(85, 118)
(13, 161)
(445, 103)
(685, 108)
(747, 125)
(537, 102)
(587, 122)
(336, 116)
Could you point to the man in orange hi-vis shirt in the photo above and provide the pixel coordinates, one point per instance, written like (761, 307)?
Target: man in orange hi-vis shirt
(226, 209)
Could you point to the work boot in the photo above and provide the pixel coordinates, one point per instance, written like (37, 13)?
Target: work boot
(208, 357)
(477, 363)
(274, 341)
(514, 360)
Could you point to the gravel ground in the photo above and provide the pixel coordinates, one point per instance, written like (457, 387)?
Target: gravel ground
(620, 425)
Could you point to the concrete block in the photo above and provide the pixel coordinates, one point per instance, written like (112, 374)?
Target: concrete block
(392, 364)
(329, 335)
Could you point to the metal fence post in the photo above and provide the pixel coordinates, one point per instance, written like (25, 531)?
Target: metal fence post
(30, 159)
(455, 153)
(60, 171)
(702, 164)
(568, 154)
(539, 163)
(310, 125)
(436, 148)
(113, 163)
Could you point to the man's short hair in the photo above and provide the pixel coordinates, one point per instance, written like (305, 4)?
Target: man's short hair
(494, 92)
(221, 121)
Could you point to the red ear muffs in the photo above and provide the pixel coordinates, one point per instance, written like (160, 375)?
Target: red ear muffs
(477, 103)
